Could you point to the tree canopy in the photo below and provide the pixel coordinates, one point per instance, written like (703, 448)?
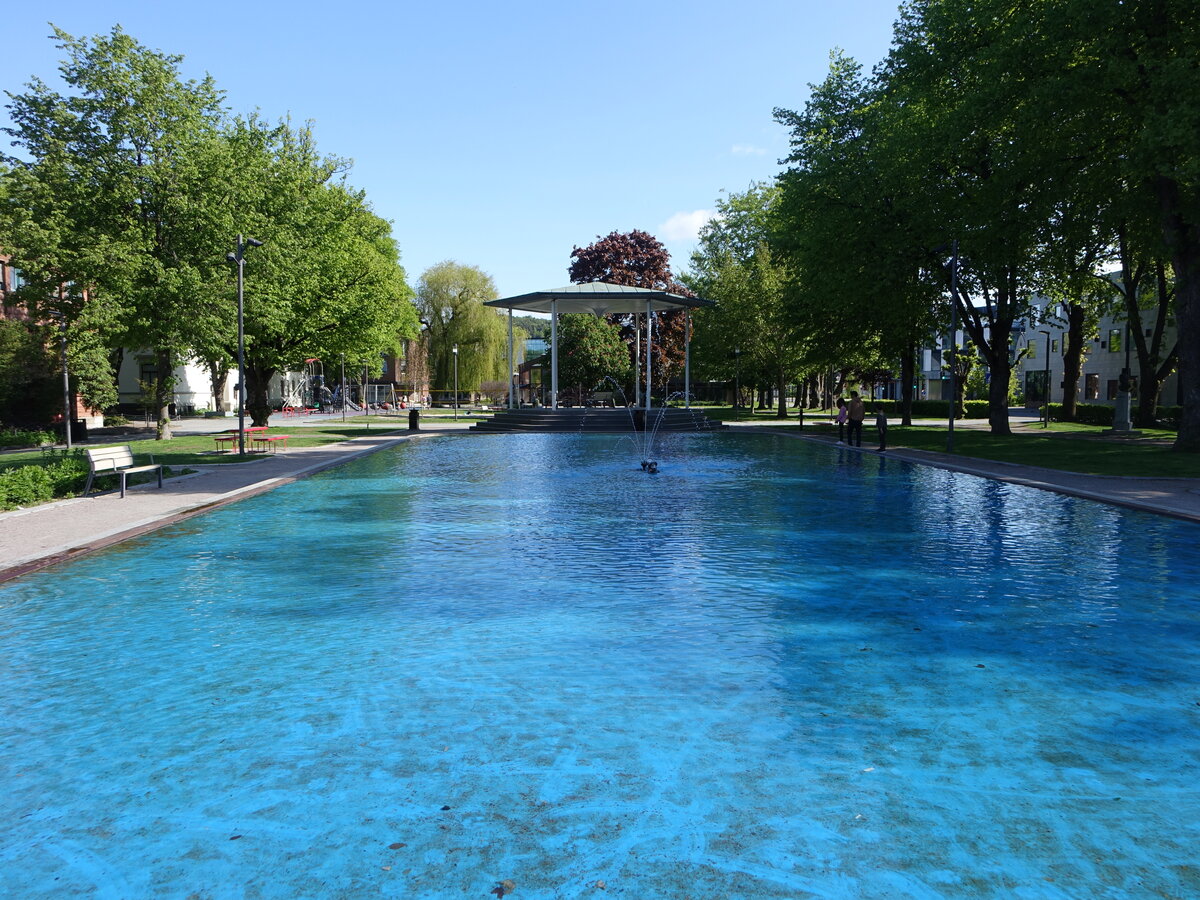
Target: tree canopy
(638, 259)
(130, 191)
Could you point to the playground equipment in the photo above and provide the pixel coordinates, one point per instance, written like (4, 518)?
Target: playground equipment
(307, 391)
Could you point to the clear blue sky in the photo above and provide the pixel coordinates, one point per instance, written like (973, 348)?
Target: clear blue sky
(503, 134)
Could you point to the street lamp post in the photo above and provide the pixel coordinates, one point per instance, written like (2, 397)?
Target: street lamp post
(1046, 382)
(953, 344)
(737, 382)
(62, 349)
(454, 350)
(1122, 414)
(239, 257)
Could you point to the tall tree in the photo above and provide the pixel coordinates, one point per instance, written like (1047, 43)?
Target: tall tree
(450, 298)
(638, 259)
(733, 264)
(111, 192)
(590, 350)
(847, 231)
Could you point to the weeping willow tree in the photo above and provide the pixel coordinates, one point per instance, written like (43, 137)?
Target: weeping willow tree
(450, 298)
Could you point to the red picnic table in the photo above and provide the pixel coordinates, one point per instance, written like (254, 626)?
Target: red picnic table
(230, 437)
(265, 442)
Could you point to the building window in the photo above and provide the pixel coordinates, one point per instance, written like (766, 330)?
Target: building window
(1032, 354)
(1112, 389)
(1035, 387)
(1091, 387)
(1054, 346)
(147, 372)
(1114, 340)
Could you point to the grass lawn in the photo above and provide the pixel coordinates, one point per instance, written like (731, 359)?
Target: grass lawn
(1072, 448)
(199, 449)
(1066, 446)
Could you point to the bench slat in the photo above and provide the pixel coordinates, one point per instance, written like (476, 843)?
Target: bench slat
(117, 460)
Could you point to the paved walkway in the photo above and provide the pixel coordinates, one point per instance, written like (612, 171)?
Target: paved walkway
(1178, 497)
(33, 538)
(53, 532)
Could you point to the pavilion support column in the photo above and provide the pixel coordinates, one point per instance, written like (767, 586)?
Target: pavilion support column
(637, 362)
(554, 354)
(511, 377)
(687, 359)
(649, 348)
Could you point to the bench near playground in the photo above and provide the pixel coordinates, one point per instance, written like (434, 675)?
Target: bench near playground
(116, 461)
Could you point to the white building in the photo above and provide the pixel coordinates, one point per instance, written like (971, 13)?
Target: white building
(1041, 347)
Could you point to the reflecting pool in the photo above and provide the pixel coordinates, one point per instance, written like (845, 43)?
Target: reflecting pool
(518, 665)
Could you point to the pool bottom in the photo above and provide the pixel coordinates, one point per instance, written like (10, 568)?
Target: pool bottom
(770, 708)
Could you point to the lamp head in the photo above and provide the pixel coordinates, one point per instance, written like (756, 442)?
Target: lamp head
(232, 257)
(252, 242)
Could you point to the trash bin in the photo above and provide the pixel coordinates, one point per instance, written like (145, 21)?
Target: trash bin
(79, 431)
(414, 420)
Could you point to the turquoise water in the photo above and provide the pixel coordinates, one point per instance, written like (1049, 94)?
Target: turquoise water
(771, 670)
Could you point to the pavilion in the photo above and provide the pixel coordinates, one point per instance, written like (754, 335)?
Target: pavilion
(602, 299)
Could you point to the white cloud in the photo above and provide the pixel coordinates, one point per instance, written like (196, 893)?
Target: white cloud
(747, 150)
(685, 226)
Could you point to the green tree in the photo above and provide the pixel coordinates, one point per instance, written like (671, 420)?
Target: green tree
(450, 298)
(847, 235)
(111, 194)
(326, 284)
(734, 265)
(638, 259)
(589, 350)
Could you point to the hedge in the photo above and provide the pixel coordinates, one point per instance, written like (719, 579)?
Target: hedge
(1095, 414)
(17, 438)
(931, 409)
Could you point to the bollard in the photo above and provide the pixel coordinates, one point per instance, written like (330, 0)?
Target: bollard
(414, 420)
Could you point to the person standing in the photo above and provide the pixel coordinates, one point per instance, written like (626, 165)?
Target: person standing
(841, 420)
(881, 425)
(855, 413)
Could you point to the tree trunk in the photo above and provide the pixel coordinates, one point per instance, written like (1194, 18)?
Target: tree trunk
(258, 380)
(218, 374)
(164, 384)
(781, 387)
(1072, 360)
(908, 369)
(1001, 369)
(1149, 390)
(1183, 240)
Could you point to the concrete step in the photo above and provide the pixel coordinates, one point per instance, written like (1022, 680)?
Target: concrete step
(595, 420)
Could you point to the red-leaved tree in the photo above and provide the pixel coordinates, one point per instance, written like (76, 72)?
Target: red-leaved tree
(638, 259)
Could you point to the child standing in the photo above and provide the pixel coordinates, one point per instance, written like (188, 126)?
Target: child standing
(881, 424)
(841, 420)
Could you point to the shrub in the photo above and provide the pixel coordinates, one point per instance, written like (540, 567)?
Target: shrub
(25, 486)
(1085, 414)
(11, 438)
(976, 409)
(931, 409)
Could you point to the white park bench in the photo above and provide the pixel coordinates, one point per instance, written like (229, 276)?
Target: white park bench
(117, 461)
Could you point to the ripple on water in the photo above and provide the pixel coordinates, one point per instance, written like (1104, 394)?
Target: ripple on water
(767, 671)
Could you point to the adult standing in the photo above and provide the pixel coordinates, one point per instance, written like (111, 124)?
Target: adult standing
(855, 413)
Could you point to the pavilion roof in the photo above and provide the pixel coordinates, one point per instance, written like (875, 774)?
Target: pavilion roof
(599, 298)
